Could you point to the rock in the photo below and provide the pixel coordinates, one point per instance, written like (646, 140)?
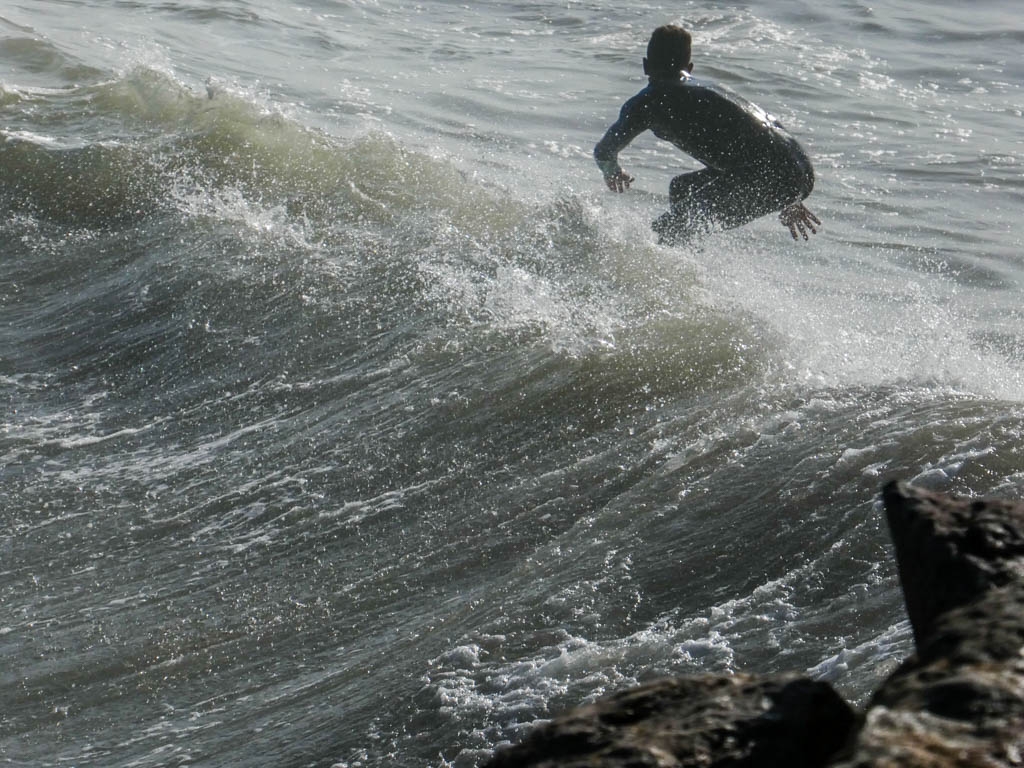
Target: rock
(951, 551)
(706, 721)
(958, 701)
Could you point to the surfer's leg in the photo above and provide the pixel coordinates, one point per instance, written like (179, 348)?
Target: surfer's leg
(687, 193)
(729, 200)
(744, 194)
(708, 199)
(687, 216)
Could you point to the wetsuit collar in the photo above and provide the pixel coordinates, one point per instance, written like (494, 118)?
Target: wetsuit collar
(662, 77)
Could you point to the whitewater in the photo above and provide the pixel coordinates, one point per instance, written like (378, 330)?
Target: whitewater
(348, 419)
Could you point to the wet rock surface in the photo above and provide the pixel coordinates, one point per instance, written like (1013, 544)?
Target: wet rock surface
(700, 721)
(957, 701)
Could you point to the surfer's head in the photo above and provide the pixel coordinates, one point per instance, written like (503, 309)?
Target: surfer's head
(668, 52)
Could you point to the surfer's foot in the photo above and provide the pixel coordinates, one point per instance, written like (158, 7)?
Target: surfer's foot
(671, 230)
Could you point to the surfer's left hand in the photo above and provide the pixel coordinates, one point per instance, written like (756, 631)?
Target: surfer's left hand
(799, 219)
(619, 182)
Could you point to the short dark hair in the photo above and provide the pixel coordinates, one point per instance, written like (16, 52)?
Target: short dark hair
(669, 50)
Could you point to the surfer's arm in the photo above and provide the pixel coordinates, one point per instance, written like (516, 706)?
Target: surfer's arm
(795, 215)
(629, 125)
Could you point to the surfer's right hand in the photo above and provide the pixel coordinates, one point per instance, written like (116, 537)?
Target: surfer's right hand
(799, 219)
(619, 182)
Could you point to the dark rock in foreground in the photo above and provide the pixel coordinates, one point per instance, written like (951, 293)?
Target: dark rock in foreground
(958, 701)
(951, 551)
(701, 721)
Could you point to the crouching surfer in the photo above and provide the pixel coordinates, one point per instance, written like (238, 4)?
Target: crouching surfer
(753, 167)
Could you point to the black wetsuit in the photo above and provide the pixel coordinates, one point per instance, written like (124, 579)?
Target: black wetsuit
(754, 167)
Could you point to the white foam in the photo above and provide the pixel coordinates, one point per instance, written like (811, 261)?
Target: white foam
(858, 669)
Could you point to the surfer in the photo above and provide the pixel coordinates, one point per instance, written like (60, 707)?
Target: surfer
(753, 167)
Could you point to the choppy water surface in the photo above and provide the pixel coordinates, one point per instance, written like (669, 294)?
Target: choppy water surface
(349, 421)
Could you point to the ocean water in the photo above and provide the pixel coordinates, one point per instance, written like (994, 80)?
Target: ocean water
(349, 421)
